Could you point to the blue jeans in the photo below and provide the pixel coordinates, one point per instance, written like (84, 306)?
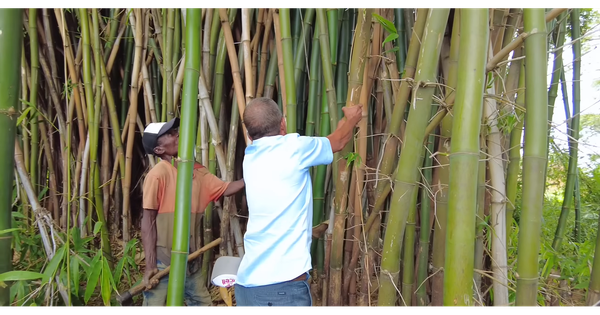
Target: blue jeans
(290, 293)
(195, 292)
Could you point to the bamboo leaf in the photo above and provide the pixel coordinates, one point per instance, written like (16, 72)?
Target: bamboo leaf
(9, 230)
(92, 280)
(97, 227)
(54, 263)
(18, 275)
(18, 215)
(387, 25)
(119, 269)
(107, 282)
(390, 38)
(75, 274)
(23, 115)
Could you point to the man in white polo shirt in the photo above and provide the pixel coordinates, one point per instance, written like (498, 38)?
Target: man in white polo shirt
(274, 269)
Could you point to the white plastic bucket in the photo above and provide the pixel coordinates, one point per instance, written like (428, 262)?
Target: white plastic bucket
(224, 272)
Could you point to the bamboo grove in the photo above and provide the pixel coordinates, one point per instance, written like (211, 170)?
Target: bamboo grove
(417, 210)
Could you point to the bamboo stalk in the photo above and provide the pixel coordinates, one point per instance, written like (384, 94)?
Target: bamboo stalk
(280, 72)
(168, 64)
(406, 175)
(355, 82)
(264, 53)
(498, 208)
(132, 122)
(254, 44)
(288, 70)
(464, 159)
(11, 43)
(33, 96)
(185, 164)
(235, 70)
(573, 132)
(534, 157)
(326, 53)
(207, 39)
(247, 55)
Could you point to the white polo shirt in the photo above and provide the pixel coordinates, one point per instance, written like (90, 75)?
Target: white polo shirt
(280, 202)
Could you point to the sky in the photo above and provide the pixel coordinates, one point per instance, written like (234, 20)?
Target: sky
(590, 95)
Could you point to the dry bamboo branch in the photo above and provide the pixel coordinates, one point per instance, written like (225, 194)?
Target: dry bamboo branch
(212, 122)
(247, 55)
(235, 69)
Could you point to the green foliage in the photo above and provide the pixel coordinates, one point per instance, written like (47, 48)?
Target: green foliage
(92, 281)
(390, 28)
(573, 261)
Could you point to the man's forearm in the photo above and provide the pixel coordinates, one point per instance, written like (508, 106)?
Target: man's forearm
(149, 239)
(234, 187)
(340, 137)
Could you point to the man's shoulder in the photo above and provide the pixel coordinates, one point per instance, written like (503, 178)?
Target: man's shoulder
(159, 170)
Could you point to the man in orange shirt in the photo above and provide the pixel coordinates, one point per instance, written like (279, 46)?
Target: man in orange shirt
(162, 140)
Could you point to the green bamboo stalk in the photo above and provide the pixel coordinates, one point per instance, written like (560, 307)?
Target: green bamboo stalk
(408, 254)
(557, 69)
(407, 171)
(206, 40)
(33, 95)
(535, 156)
(573, 132)
(132, 114)
(300, 52)
(333, 19)
(464, 159)
(388, 160)
(442, 172)
(296, 25)
(425, 228)
(324, 43)
(341, 70)
(215, 36)
(593, 294)
(272, 70)
(114, 27)
(185, 166)
(288, 69)
(94, 130)
(401, 41)
(514, 153)
(355, 81)
(314, 88)
(127, 75)
(319, 192)
(10, 90)
(168, 63)
(177, 41)
(577, 206)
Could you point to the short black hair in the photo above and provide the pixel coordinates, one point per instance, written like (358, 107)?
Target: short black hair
(262, 118)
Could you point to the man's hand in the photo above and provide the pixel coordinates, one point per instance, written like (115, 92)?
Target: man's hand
(148, 274)
(353, 114)
(343, 132)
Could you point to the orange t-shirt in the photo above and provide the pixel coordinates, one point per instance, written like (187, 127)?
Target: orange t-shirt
(159, 194)
(161, 181)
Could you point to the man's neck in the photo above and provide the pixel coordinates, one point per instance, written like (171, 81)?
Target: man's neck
(170, 159)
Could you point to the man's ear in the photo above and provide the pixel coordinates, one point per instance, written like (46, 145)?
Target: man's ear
(159, 150)
(282, 127)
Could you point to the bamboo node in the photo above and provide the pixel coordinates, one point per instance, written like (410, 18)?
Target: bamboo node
(178, 252)
(8, 112)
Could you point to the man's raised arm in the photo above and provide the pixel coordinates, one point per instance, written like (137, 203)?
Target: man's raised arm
(343, 133)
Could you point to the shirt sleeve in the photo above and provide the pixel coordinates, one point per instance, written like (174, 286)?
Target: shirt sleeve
(152, 191)
(313, 151)
(212, 188)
